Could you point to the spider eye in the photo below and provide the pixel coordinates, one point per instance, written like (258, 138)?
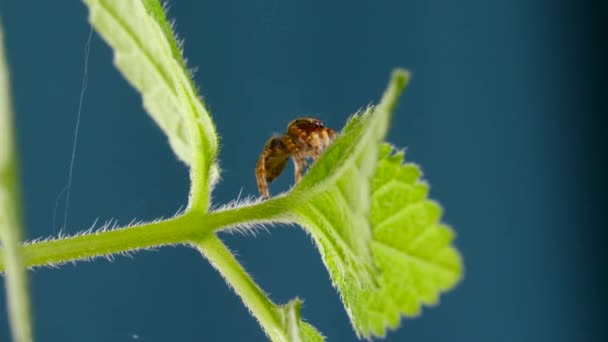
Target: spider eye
(319, 124)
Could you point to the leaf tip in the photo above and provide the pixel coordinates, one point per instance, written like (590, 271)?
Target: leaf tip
(400, 78)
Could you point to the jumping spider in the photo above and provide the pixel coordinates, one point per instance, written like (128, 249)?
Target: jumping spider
(305, 138)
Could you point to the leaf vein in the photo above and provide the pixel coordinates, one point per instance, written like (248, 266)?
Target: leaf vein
(415, 259)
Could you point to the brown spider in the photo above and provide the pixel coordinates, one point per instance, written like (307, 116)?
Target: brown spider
(305, 138)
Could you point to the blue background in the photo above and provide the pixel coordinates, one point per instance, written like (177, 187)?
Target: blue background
(495, 115)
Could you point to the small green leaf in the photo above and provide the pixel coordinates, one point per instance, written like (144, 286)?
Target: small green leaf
(10, 227)
(308, 333)
(410, 246)
(337, 186)
(298, 330)
(149, 56)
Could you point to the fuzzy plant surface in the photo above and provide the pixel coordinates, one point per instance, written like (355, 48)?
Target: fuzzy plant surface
(381, 239)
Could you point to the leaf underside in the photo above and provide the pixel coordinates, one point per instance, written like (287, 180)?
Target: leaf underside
(337, 216)
(149, 57)
(338, 187)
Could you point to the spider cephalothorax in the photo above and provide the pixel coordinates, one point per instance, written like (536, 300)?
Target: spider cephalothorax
(305, 138)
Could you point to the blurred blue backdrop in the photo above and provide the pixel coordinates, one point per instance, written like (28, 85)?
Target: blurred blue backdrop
(492, 116)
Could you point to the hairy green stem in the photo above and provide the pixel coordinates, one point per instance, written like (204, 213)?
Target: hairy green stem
(10, 215)
(50, 252)
(253, 297)
(189, 227)
(16, 280)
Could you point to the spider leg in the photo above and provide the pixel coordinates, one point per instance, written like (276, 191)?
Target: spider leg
(314, 154)
(326, 136)
(299, 165)
(260, 175)
(315, 143)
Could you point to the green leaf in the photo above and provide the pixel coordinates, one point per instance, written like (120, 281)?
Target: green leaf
(379, 237)
(10, 227)
(411, 247)
(298, 330)
(337, 211)
(149, 56)
(308, 333)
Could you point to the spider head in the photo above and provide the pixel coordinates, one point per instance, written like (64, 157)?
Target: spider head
(306, 124)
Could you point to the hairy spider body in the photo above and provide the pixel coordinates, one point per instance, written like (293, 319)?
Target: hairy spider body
(305, 138)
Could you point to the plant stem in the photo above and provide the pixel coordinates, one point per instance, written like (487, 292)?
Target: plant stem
(199, 169)
(96, 244)
(202, 154)
(18, 301)
(253, 297)
(276, 209)
(191, 226)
